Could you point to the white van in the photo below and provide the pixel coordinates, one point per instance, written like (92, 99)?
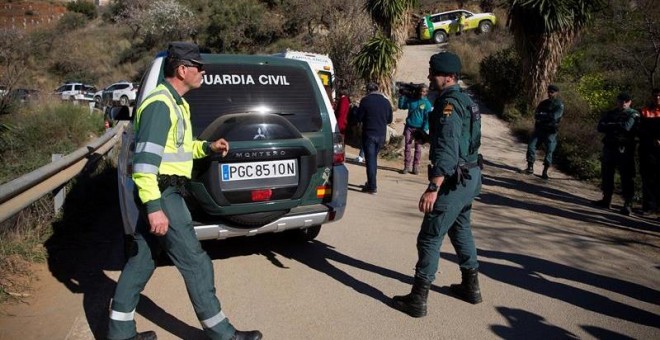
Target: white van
(320, 63)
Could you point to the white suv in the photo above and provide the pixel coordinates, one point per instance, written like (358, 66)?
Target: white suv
(76, 92)
(122, 93)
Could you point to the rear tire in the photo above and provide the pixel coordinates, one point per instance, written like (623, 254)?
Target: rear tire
(307, 234)
(440, 37)
(485, 26)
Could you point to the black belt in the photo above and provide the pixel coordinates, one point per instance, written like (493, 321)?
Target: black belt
(165, 181)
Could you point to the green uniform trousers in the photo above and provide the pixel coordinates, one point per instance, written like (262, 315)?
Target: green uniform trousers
(190, 259)
(451, 215)
(550, 141)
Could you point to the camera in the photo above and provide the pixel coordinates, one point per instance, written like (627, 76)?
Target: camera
(407, 89)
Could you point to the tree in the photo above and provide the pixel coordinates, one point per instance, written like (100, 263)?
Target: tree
(636, 24)
(158, 21)
(377, 61)
(543, 31)
(14, 53)
(393, 18)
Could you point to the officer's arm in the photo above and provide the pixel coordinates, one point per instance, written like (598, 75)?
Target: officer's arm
(390, 116)
(403, 102)
(558, 112)
(150, 140)
(630, 120)
(446, 141)
(604, 125)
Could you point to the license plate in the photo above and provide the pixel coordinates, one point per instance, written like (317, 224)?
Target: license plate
(258, 170)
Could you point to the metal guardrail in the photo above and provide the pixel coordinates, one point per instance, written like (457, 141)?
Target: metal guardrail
(25, 190)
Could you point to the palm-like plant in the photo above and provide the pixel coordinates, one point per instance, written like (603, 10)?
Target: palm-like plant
(376, 61)
(543, 30)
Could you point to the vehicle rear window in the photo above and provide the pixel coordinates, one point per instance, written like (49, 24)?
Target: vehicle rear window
(237, 88)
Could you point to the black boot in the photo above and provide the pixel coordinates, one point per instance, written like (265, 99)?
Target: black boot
(414, 304)
(625, 210)
(468, 290)
(544, 175)
(148, 335)
(246, 335)
(605, 202)
(530, 169)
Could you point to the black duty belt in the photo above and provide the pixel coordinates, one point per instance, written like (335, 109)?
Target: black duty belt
(165, 181)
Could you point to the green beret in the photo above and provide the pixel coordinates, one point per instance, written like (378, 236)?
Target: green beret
(445, 62)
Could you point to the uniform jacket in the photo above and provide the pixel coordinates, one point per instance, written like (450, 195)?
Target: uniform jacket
(548, 115)
(455, 129)
(418, 111)
(617, 125)
(375, 112)
(163, 142)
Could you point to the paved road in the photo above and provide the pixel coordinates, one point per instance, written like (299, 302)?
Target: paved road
(551, 267)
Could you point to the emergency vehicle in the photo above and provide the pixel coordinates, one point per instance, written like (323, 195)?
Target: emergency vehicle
(320, 63)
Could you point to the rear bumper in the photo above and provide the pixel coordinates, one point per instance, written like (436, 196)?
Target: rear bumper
(298, 218)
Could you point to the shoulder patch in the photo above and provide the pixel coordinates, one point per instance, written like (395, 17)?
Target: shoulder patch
(448, 109)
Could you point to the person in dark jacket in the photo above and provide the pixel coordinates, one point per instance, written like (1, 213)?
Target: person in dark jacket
(375, 113)
(649, 153)
(618, 151)
(547, 117)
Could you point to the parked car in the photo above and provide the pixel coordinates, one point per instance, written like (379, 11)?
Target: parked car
(285, 167)
(122, 93)
(437, 27)
(23, 95)
(74, 91)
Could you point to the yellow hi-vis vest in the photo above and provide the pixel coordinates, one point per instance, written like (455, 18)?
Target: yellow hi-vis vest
(177, 153)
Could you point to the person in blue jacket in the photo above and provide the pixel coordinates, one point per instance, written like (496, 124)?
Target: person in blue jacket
(375, 113)
(417, 119)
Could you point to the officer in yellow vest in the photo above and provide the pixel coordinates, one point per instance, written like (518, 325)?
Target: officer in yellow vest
(162, 165)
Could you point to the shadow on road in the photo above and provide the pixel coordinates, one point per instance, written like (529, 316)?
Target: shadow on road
(526, 325)
(530, 273)
(87, 240)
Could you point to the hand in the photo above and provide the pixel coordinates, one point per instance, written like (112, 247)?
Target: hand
(158, 223)
(427, 201)
(220, 145)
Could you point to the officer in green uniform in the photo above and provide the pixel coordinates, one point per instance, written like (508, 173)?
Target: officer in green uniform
(162, 166)
(618, 151)
(547, 117)
(455, 180)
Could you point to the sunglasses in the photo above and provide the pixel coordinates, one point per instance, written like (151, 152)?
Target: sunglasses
(199, 67)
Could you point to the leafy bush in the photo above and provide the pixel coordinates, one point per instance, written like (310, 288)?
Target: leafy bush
(500, 74)
(83, 7)
(29, 138)
(596, 92)
(71, 21)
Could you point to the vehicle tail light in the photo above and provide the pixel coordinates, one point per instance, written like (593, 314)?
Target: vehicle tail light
(338, 149)
(323, 191)
(261, 195)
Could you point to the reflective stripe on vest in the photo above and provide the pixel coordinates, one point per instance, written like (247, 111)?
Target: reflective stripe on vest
(214, 320)
(119, 316)
(177, 154)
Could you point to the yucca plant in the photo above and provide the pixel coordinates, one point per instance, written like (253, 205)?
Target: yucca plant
(376, 61)
(543, 31)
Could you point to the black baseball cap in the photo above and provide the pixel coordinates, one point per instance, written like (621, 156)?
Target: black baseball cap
(624, 97)
(553, 88)
(181, 50)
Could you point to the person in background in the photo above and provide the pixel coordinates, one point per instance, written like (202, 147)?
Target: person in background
(418, 119)
(461, 23)
(618, 151)
(649, 153)
(547, 118)
(343, 105)
(375, 113)
(454, 182)
(162, 166)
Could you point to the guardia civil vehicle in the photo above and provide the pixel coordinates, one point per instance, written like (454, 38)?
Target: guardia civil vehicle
(285, 167)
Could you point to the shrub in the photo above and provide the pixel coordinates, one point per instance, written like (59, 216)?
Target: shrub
(88, 9)
(500, 74)
(71, 21)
